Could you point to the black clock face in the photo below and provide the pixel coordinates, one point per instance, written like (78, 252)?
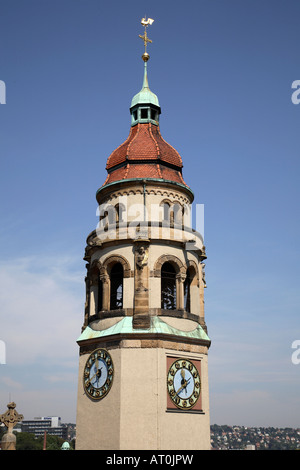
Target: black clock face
(98, 374)
(183, 383)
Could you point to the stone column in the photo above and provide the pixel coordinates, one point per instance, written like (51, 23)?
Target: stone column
(104, 277)
(180, 278)
(141, 315)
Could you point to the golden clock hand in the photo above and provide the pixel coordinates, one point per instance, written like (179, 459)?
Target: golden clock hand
(98, 373)
(90, 379)
(179, 390)
(183, 386)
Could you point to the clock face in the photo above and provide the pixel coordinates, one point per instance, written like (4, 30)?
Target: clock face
(98, 374)
(183, 383)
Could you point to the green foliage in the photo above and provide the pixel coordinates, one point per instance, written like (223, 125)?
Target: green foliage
(27, 441)
(54, 443)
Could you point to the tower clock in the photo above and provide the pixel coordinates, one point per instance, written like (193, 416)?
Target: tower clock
(143, 345)
(98, 374)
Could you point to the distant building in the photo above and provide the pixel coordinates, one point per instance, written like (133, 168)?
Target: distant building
(38, 426)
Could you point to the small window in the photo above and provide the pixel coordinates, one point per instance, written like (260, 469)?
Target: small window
(135, 115)
(153, 115)
(144, 113)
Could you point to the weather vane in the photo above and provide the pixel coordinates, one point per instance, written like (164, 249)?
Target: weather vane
(146, 22)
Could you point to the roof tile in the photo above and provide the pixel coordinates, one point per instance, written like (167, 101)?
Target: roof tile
(144, 154)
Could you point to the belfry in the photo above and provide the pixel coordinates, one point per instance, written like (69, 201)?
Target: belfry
(143, 374)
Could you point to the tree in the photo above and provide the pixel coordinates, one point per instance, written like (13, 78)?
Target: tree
(28, 441)
(54, 442)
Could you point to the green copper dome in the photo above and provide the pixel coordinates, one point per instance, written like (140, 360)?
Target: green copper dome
(145, 96)
(65, 446)
(144, 105)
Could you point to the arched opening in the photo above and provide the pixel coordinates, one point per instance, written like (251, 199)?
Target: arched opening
(187, 291)
(120, 209)
(100, 295)
(103, 221)
(178, 214)
(165, 211)
(116, 287)
(107, 216)
(94, 287)
(168, 287)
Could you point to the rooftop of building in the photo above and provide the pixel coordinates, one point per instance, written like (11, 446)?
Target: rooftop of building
(145, 154)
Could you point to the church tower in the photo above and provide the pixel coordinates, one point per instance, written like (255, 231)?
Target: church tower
(143, 375)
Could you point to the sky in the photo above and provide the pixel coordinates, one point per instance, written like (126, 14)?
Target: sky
(223, 71)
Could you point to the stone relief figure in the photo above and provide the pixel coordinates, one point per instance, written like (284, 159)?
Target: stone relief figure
(203, 253)
(95, 242)
(141, 260)
(141, 257)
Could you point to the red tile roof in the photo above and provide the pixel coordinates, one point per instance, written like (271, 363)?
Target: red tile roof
(144, 154)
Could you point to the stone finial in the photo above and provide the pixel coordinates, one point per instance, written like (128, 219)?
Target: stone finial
(10, 418)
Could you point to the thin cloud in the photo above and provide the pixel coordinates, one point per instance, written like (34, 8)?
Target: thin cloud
(41, 309)
(41, 302)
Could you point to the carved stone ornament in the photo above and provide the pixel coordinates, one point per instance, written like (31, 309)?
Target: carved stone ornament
(10, 418)
(181, 277)
(141, 257)
(96, 265)
(141, 261)
(203, 254)
(95, 242)
(104, 277)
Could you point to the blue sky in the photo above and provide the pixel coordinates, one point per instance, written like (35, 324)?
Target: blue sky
(223, 71)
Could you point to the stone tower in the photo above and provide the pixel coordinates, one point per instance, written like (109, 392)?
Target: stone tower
(143, 379)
